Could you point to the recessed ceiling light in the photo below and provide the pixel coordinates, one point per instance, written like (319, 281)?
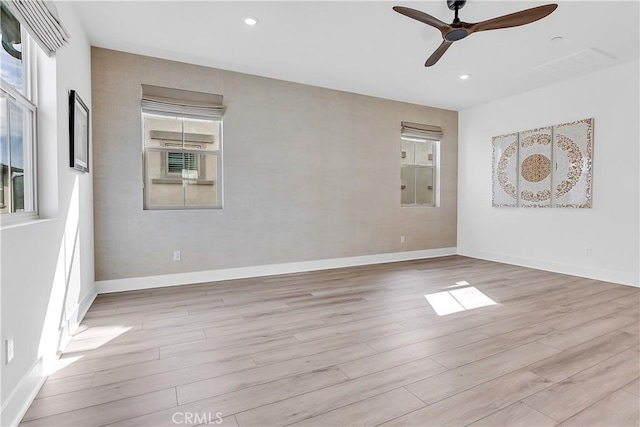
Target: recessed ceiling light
(250, 20)
(464, 76)
(556, 39)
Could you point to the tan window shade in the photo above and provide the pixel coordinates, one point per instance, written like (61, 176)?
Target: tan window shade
(42, 23)
(417, 130)
(186, 103)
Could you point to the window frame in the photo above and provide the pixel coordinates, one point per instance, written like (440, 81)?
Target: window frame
(174, 179)
(28, 101)
(435, 172)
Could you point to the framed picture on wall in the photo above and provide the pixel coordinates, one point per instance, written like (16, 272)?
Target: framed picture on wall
(78, 133)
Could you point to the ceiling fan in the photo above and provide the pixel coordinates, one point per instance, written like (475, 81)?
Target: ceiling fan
(458, 30)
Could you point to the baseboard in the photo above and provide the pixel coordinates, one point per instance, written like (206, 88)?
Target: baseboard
(18, 402)
(573, 270)
(147, 282)
(75, 318)
(21, 397)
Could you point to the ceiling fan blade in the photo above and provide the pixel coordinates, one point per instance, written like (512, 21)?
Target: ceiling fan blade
(516, 19)
(435, 56)
(422, 17)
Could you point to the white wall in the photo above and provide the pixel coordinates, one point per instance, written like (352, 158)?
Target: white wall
(556, 239)
(47, 265)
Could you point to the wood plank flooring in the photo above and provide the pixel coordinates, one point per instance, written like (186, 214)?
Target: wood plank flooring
(502, 345)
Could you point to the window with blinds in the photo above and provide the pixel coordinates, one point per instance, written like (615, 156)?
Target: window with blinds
(178, 162)
(419, 164)
(182, 148)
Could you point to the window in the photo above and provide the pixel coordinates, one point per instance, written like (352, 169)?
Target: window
(420, 161)
(182, 149)
(17, 121)
(18, 165)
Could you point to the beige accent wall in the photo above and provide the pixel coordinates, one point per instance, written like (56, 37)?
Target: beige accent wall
(309, 174)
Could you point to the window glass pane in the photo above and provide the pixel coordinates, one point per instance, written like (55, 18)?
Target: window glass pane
(17, 127)
(408, 189)
(424, 153)
(5, 206)
(204, 133)
(162, 191)
(160, 131)
(418, 171)
(203, 190)
(407, 154)
(177, 176)
(424, 186)
(11, 50)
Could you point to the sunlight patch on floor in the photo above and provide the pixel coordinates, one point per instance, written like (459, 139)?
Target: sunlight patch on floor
(459, 299)
(95, 337)
(60, 364)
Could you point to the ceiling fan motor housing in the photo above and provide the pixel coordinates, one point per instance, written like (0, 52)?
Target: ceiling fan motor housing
(456, 34)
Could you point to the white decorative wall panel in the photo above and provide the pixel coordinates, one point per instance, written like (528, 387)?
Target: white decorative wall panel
(544, 167)
(573, 156)
(505, 170)
(534, 157)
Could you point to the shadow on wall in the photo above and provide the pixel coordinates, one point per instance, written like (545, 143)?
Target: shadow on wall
(62, 310)
(41, 299)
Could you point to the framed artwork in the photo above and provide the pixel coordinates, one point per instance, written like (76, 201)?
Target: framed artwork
(78, 133)
(545, 167)
(534, 158)
(573, 155)
(505, 170)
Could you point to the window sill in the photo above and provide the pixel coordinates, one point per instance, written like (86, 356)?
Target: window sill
(22, 221)
(179, 181)
(183, 208)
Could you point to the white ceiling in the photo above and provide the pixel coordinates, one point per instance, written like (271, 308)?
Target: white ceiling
(365, 47)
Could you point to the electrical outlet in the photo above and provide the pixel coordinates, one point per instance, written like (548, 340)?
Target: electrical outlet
(177, 255)
(402, 239)
(587, 251)
(10, 349)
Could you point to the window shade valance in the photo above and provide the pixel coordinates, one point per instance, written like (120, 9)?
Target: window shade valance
(417, 130)
(156, 99)
(42, 23)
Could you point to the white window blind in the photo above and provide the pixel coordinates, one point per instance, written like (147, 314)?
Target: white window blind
(177, 162)
(420, 131)
(184, 103)
(42, 22)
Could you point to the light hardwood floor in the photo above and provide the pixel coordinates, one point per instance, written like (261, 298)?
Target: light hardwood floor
(358, 346)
